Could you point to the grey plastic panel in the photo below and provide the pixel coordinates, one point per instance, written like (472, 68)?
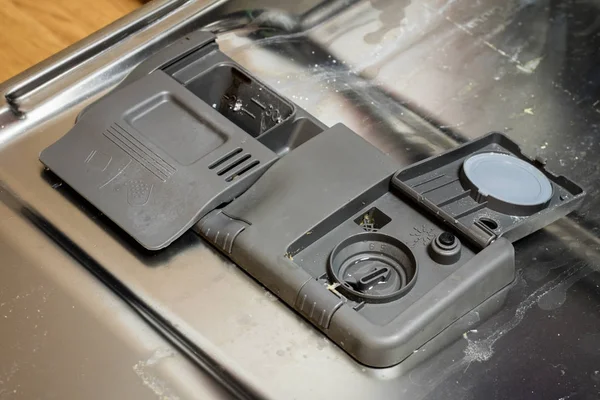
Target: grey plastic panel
(380, 329)
(440, 185)
(305, 188)
(309, 202)
(188, 130)
(155, 158)
(468, 286)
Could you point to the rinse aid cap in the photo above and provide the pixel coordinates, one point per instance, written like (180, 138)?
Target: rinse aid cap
(507, 179)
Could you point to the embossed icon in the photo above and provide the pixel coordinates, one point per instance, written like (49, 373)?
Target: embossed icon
(422, 234)
(138, 192)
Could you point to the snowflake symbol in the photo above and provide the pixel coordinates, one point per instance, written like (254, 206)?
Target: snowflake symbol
(422, 234)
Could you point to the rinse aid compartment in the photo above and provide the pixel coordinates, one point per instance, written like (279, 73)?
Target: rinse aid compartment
(380, 261)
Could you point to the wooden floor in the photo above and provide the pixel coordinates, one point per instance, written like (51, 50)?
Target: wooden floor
(32, 30)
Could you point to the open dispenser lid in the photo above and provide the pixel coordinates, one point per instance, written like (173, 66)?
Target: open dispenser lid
(488, 188)
(186, 132)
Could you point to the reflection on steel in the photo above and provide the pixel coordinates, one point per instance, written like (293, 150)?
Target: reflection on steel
(280, 20)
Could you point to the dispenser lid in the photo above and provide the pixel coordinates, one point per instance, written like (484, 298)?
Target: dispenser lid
(488, 188)
(155, 158)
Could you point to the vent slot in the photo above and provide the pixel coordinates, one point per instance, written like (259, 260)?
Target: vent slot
(234, 164)
(242, 171)
(225, 158)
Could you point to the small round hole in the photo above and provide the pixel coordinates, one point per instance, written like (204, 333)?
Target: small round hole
(490, 223)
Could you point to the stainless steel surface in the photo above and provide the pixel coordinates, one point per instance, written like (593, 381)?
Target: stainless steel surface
(64, 336)
(414, 78)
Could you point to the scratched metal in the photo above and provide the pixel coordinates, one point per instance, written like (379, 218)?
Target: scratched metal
(414, 78)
